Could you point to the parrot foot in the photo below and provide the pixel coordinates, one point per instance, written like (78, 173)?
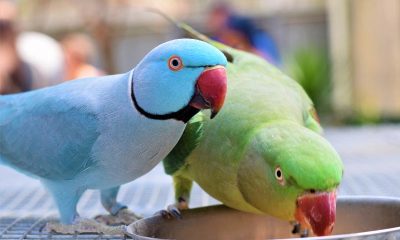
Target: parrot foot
(82, 225)
(123, 216)
(171, 212)
(174, 210)
(297, 229)
(304, 234)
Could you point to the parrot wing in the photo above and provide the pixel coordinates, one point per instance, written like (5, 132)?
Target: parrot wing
(312, 120)
(46, 135)
(191, 137)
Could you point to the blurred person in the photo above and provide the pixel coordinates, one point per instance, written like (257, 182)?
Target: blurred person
(78, 51)
(15, 74)
(8, 11)
(23, 66)
(241, 32)
(47, 69)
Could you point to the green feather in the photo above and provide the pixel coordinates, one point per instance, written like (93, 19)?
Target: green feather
(189, 141)
(267, 121)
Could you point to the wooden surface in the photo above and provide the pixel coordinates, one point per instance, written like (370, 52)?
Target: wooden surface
(365, 47)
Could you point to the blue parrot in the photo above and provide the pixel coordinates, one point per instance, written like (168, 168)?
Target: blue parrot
(99, 133)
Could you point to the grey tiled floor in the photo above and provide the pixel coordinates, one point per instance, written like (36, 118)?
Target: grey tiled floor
(371, 157)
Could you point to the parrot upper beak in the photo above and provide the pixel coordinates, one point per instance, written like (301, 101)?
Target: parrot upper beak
(210, 90)
(317, 211)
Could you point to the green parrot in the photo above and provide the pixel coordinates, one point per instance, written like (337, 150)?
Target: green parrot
(263, 153)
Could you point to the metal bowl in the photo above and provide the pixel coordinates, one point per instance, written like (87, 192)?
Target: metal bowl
(357, 218)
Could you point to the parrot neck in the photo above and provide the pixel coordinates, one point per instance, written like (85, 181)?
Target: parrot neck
(184, 114)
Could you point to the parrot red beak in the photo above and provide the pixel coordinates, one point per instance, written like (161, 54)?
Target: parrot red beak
(210, 90)
(317, 211)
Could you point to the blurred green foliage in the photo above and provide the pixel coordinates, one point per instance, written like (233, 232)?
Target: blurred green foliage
(310, 67)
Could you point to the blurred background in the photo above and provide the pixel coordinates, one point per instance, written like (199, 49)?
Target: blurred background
(345, 53)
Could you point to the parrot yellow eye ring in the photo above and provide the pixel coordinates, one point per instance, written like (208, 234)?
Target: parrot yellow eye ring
(175, 63)
(279, 174)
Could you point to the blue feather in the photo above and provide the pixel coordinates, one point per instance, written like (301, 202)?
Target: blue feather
(36, 141)
(87, 133)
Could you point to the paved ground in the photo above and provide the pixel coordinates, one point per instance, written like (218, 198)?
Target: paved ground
(371, 157)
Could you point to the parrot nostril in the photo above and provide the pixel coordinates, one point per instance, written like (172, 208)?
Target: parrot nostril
(312, 190)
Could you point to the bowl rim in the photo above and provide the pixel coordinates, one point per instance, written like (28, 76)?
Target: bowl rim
(361, 234)
(365, 198)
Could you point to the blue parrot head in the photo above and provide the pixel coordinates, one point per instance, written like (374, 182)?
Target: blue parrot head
(178, 78)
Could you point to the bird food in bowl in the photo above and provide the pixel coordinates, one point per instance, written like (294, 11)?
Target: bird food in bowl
(357, 218)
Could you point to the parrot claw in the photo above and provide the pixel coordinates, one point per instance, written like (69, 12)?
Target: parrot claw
(297, 229)
(174, 210)
(304, 234)
(82, 225)
(171, 212)
(123, 216)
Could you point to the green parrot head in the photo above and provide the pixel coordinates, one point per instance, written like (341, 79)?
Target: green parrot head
(292, 173)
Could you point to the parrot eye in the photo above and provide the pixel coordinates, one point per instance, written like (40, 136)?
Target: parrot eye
(279, 174)
(175, 63)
